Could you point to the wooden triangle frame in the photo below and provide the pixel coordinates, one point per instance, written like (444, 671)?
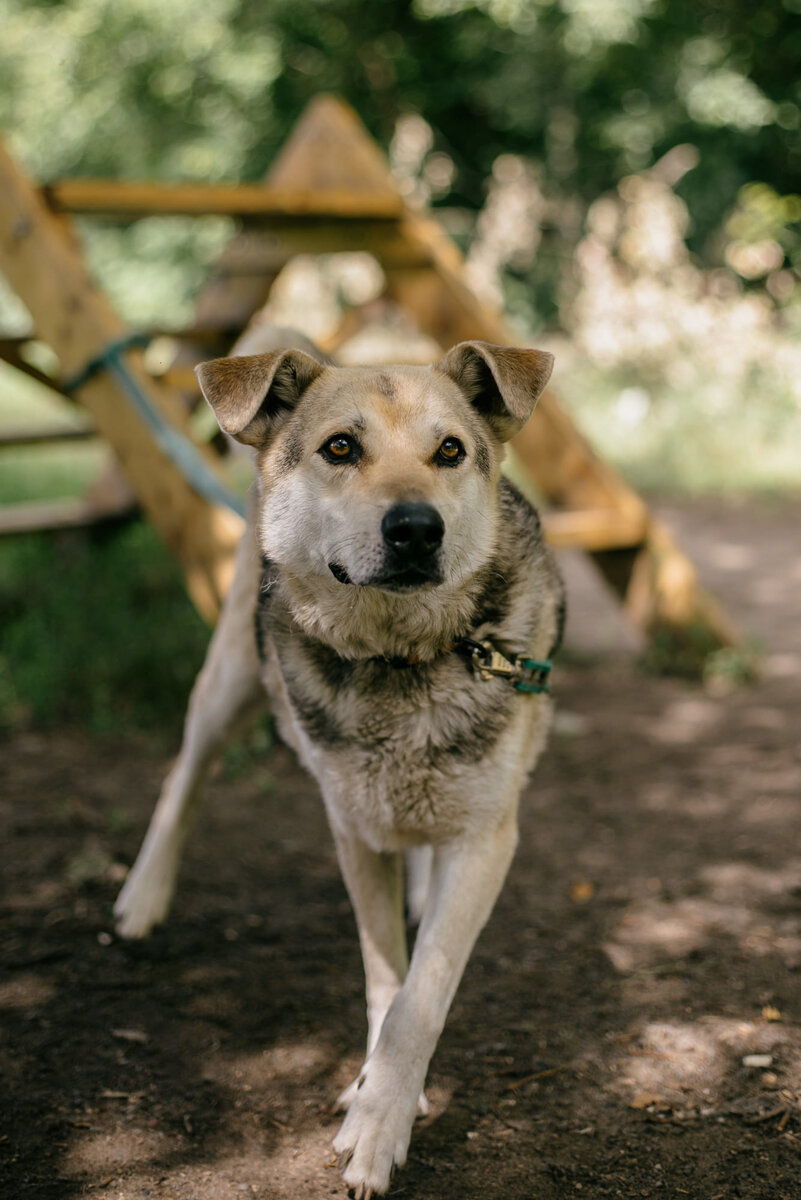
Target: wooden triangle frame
(329, 190)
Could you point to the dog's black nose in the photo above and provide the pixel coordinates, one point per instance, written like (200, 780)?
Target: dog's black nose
(412, 531)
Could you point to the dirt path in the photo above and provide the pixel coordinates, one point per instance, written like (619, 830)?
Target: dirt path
(647, 943)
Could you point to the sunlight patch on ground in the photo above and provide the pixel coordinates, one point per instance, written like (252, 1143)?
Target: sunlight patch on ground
(713, 1063)
(685, 721)
(731, 556)
(99, 1153)
(270, 1159)
(754, 906)
(296, 1061)
(301, 1160)
(771, 810)
(660, 796)
(782, 666)
(27, 990)
(764, 717)
(43, 894)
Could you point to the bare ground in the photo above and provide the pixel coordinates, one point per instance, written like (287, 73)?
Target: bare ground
(648, 942)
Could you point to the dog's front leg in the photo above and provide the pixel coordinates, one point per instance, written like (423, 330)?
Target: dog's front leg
(375, 886)
(227, 689)
(465, 881)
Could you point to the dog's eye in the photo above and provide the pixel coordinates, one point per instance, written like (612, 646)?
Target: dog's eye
(341, 449)
(450, 453)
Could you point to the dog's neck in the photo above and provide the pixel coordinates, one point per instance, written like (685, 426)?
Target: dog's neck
(364, 622)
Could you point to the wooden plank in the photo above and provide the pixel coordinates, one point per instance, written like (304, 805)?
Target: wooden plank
(257, 203)
(11, 347)
(10, 353)
(43, 266)
(259, 252)
(33, 435)
(593, 529)
(662, 591)
(38, 516)
(183, 378)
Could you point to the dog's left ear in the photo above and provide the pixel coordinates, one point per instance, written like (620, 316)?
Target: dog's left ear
(502, 383)
(251, 394)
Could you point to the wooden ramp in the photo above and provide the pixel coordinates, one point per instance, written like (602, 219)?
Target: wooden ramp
(330, 190)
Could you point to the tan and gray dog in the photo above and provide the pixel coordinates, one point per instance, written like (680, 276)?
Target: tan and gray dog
(404, 604)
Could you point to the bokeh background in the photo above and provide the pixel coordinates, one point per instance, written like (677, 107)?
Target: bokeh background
(621, 174)
(623, 177)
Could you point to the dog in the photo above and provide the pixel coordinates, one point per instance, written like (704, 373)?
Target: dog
(405, 609)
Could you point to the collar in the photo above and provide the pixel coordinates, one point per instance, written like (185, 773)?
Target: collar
(529, 675)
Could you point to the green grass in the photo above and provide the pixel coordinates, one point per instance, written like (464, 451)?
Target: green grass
(49, 471)
(96, 629)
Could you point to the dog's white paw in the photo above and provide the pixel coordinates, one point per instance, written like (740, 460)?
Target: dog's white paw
(374, 1136)
(346, 1098)
(144, 900)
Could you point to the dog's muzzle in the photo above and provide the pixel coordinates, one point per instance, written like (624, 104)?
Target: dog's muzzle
(412, 534)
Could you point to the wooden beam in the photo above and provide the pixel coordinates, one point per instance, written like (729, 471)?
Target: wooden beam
(10, 353)
(659, 588)
(593, 529)
(131, 200)
(43, 266)
(38, 516)
(32, 435)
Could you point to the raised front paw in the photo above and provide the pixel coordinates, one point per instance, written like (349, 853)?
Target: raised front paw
(374, 1136)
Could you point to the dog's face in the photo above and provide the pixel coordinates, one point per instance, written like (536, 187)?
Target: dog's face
(382, 478)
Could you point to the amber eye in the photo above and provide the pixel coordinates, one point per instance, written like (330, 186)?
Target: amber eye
(450, 453)
(341, 449)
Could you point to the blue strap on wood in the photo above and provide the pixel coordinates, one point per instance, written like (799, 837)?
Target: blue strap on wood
(181, 452)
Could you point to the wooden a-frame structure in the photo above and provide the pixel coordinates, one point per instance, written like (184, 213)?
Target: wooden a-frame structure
(329, 190)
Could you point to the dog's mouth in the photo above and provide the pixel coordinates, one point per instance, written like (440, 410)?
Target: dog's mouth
(339, 573)
(409, 579)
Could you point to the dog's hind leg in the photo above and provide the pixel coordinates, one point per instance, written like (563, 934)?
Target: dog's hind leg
(227, 690)
(418, 876)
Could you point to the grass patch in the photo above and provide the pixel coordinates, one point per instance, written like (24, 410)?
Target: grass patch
(96, 629)
(58, 471)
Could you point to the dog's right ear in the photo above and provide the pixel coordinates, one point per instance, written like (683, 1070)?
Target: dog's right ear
(252, 394)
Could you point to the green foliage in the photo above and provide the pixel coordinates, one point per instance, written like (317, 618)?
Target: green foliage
(97, 630)
(592, 90)
(589, 90)
(691, 653)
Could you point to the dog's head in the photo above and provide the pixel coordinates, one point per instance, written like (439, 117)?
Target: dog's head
(383, 478)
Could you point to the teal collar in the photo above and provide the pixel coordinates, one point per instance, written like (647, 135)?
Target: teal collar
(529, 675)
